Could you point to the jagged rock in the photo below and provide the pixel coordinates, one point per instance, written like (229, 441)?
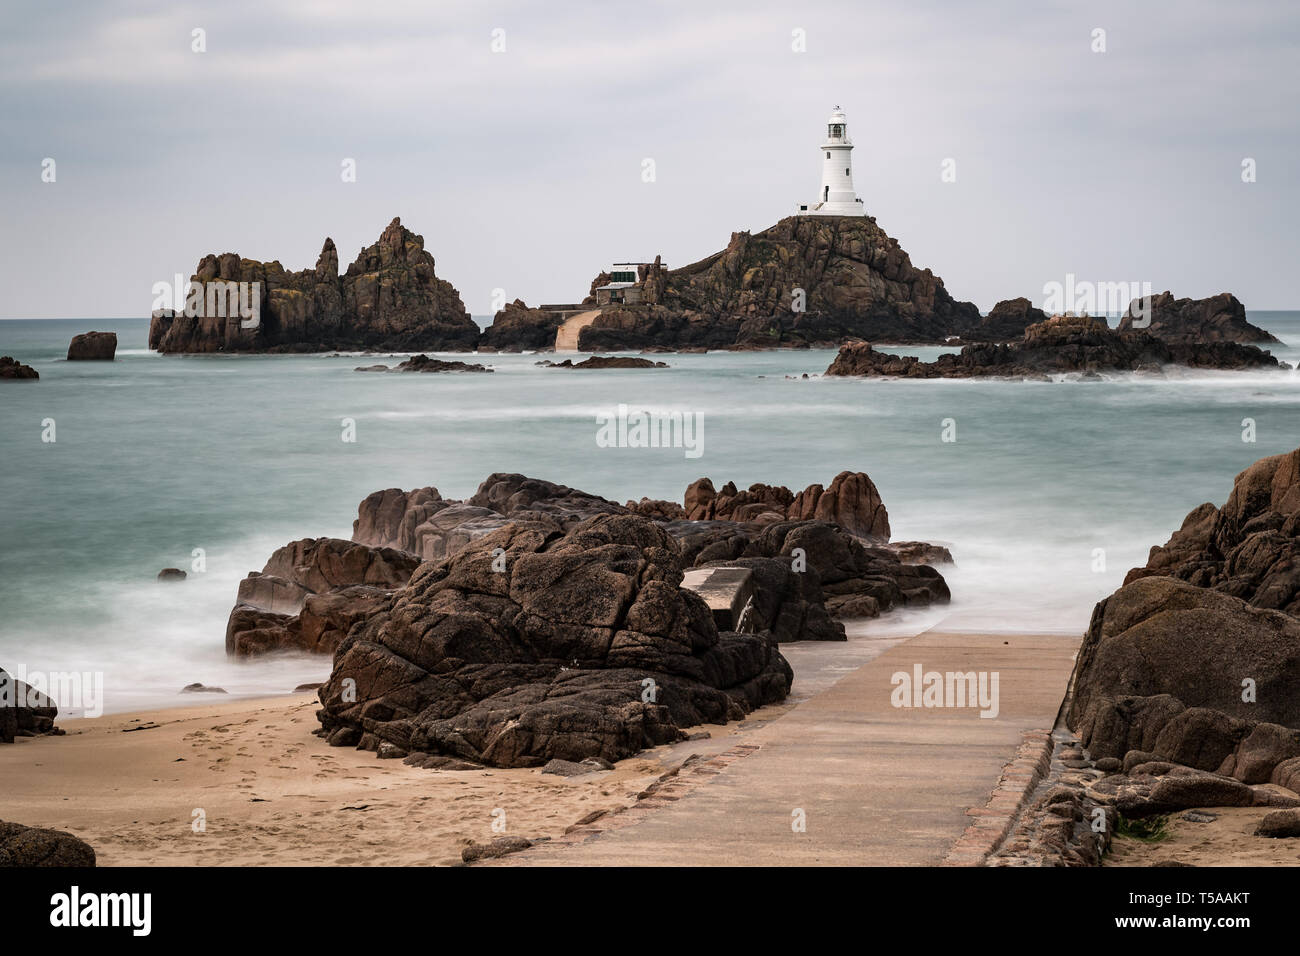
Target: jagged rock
(1006, 322)
(12, 369)
(1062, 344)
(856, 283)
(657, 509)
(549, 657)
(517, 327)
(310, 593)
(93, 346)
(37, 846)
(1250, 548)
(327, 564)
(851, 501)
(388, 299)
(1203, 670)
(1220, 318)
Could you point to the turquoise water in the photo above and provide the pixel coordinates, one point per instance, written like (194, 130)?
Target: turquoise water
(156, 456)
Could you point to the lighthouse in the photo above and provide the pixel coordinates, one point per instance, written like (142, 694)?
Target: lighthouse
(837, 197)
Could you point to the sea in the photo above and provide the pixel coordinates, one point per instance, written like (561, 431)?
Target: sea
(1047, 493)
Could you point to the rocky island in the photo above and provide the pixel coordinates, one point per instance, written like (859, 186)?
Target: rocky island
(806, 281)
(389, 299)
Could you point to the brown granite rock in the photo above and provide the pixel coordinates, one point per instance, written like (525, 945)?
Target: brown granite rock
(22, 846)
(546, 654)
(1062, 344)
(856, 283)
(388, 299)
(1219, 318)
(93, 346)
(13, 370)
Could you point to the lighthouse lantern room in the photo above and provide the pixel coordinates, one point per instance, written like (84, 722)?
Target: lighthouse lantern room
(837, 197)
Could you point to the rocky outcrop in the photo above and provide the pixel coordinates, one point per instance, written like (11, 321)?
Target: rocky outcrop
(811, 280)
(1186, 689)
(517, 328)
(1168, 649)
(851, 501)
(815, 556)
(310, 593)
(24, 711)
(37, 846)
(13, 370)
(422, 363)
(1062, 344)
(388, 299)
(808, 572)
(1250, 548)
(533, 645)
(1220, 318)
(1006, 322)
(93, 346)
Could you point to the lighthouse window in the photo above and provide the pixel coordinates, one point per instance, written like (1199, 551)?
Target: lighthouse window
(846, 170)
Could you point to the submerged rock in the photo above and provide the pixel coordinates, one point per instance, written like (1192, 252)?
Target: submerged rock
(607, 361)
(422, 363)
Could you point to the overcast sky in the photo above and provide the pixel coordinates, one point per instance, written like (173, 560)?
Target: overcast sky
(522, 169)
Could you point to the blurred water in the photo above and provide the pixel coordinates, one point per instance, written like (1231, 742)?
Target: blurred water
(158, 455)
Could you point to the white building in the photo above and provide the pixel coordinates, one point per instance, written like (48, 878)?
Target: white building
(837, 197)
(624, 283)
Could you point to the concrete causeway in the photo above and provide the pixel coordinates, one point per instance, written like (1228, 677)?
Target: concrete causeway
(876, 784)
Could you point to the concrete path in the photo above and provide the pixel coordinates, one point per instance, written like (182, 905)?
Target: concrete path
(878, 785)
(566, 336)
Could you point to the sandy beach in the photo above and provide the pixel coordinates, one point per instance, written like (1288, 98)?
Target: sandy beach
(272, 793)
(1226, 841)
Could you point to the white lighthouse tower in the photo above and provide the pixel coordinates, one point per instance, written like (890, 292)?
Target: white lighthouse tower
(837, 197)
